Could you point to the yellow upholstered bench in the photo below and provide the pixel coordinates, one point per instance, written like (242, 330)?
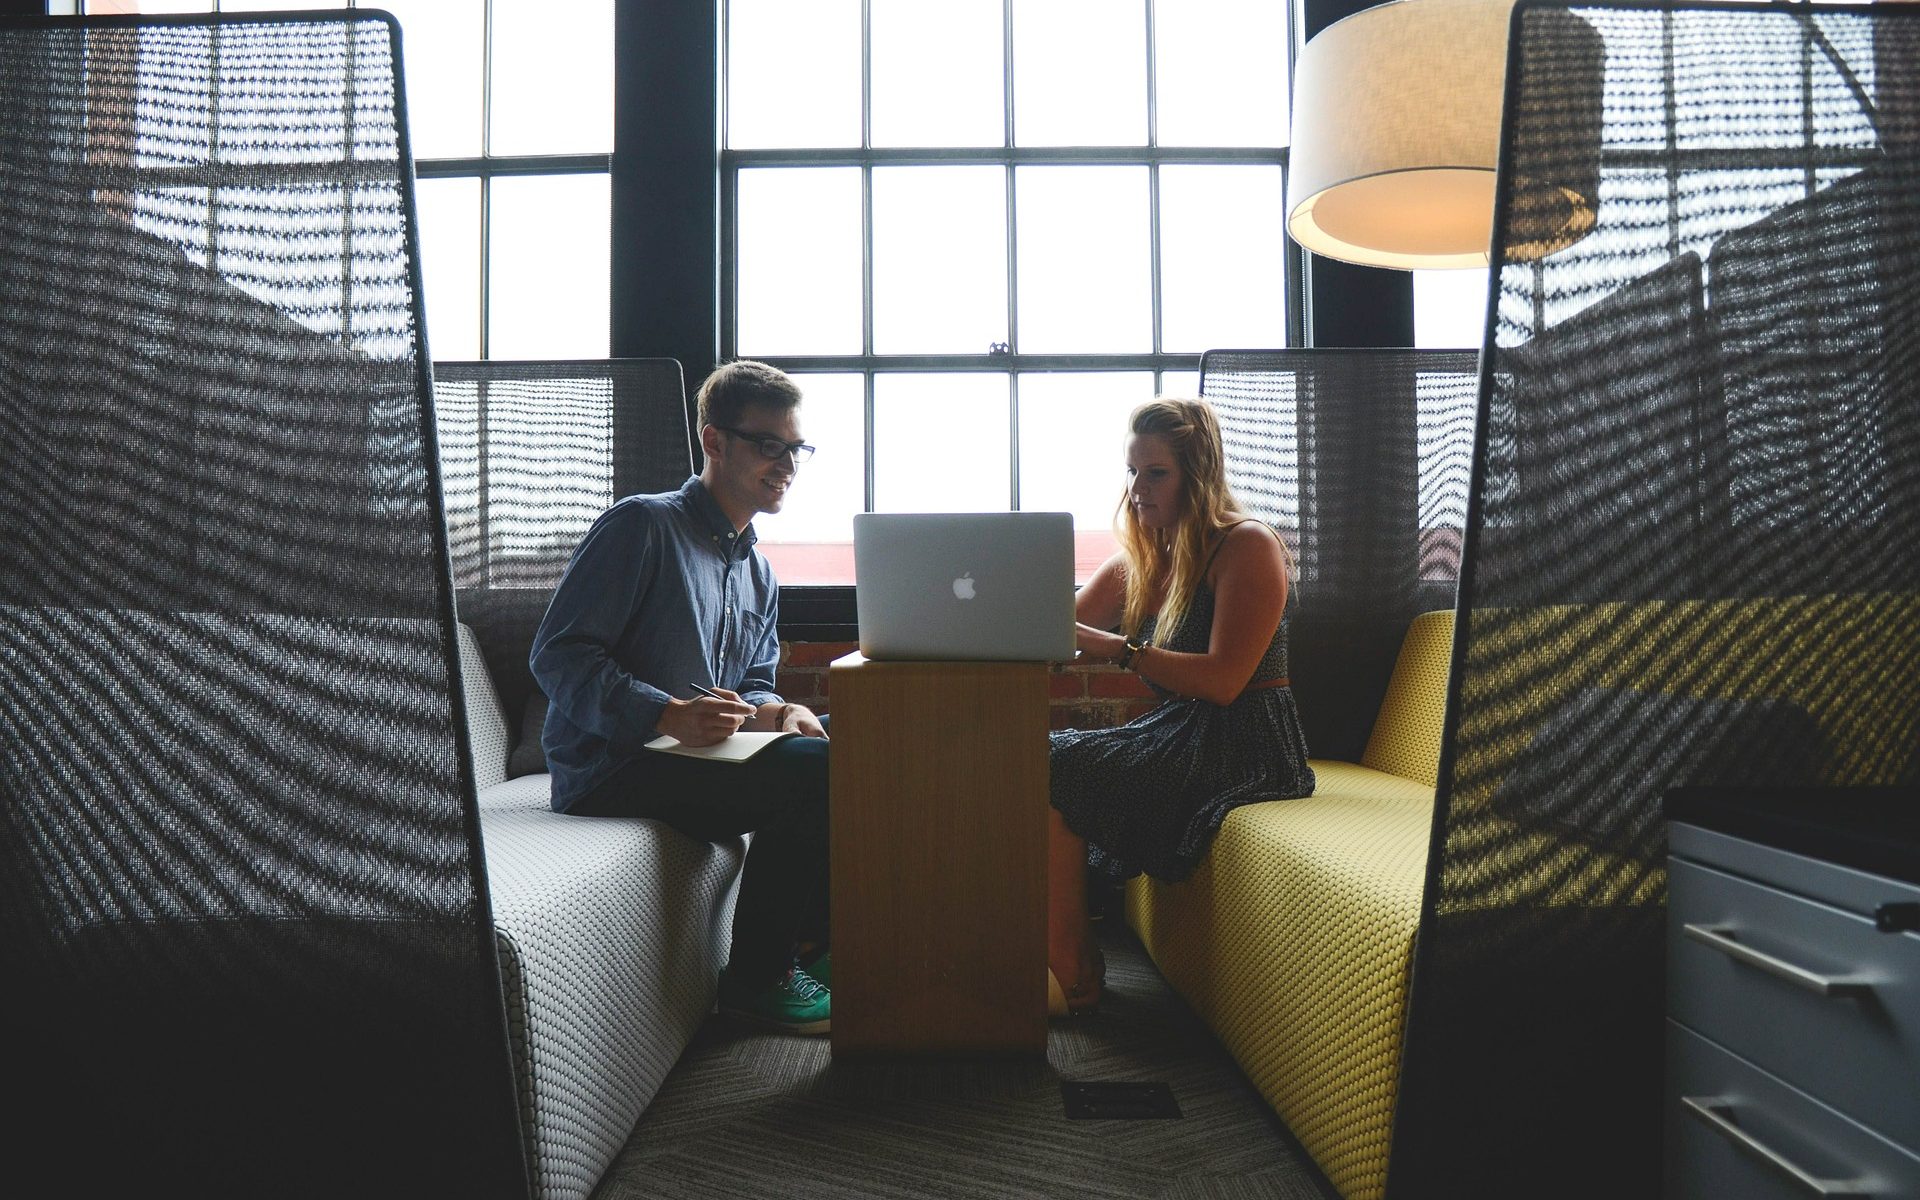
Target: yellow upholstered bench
(1294, 940)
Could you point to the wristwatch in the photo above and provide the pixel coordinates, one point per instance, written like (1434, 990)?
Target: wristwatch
(1127, 655)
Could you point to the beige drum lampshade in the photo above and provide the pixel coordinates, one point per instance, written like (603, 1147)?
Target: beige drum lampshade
(1396, 137)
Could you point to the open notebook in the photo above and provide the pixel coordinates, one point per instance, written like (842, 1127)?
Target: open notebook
(738, 748)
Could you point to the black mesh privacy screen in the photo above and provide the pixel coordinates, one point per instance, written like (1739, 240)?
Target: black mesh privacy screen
(531, 453)
(1693, 545)
(1360, 458)
(245, 928)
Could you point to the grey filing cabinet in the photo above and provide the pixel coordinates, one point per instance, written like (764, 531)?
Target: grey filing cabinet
(1793, 1008)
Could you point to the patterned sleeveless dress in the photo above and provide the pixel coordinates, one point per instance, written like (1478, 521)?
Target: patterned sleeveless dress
(1149, 795)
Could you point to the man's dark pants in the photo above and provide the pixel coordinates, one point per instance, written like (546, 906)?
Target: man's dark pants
(780, 796)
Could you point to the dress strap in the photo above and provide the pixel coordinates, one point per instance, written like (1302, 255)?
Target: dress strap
(1222, 542)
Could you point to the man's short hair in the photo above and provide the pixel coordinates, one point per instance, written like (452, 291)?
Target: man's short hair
(733, 386)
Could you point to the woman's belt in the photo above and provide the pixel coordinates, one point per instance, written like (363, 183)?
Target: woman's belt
(1262, 685)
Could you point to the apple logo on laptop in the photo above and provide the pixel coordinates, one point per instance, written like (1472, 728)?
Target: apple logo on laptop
(963, 587)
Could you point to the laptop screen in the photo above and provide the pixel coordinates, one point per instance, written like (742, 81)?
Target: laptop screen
(964, 586)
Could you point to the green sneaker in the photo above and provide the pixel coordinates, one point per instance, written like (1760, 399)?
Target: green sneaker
(821, 968)
(797, 1003)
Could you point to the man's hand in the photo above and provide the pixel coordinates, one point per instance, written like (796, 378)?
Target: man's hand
(702, 721)
(801, 720)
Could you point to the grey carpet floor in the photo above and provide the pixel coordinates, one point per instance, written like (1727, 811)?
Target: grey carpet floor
(752, 1114)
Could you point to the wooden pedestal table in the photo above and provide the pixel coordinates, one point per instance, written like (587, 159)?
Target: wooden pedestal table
(939, 791)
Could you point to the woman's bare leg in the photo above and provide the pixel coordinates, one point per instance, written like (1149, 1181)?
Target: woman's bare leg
(1070, 952)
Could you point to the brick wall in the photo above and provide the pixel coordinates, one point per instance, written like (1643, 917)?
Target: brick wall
(1092, 696)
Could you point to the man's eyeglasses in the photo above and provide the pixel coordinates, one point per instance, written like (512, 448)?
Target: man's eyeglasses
(770, 446)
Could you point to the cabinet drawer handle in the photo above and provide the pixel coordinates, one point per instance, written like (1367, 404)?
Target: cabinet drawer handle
(1826, 985)
(1713, 1110)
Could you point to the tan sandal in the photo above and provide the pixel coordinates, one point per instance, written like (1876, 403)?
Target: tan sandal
(1076, 1001)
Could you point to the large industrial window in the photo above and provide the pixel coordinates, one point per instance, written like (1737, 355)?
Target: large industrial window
(511, 117)
(980, 231)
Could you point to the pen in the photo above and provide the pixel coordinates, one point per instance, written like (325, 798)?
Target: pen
(708, 692)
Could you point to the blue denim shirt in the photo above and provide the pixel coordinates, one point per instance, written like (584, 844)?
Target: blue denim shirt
(660, 595)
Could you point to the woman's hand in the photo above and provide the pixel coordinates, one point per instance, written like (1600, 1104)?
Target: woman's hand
(1250, 598)
(1099, 643)
(703, 720)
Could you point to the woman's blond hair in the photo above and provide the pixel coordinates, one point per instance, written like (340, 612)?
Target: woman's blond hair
(1207, 507)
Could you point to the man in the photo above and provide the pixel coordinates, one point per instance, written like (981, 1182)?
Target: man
(667, 592)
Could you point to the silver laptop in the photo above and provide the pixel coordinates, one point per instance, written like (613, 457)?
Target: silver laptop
(964, 586)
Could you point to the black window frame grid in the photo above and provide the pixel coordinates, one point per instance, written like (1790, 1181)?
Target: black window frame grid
(826, 612)
(1675, 162)
(1008, 156)
(486, 166)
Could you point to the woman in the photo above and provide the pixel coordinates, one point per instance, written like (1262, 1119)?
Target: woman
(1196, 594)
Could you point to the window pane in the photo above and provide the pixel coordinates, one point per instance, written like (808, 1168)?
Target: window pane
(1073, 440)
(939, 259)
(1080, 72)
(441, 51)
(940, 442)
(938, 78)
(793, 73)
(799, 261)
(552, 78)
(265, 231)
(1073, 448)
(1223, 278)
(542, 486)
(1221, 73)
(1449, 308)
(456, 418)
(810, 540)
(178, 216)
(450, 265)
(548, 270)
(1759, 96)
(257, 115)
(1084, 279)
(1185, 384)
(237, 6)
(108, 7)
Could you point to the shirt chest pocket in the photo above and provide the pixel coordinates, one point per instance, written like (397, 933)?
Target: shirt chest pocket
(742, 642)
